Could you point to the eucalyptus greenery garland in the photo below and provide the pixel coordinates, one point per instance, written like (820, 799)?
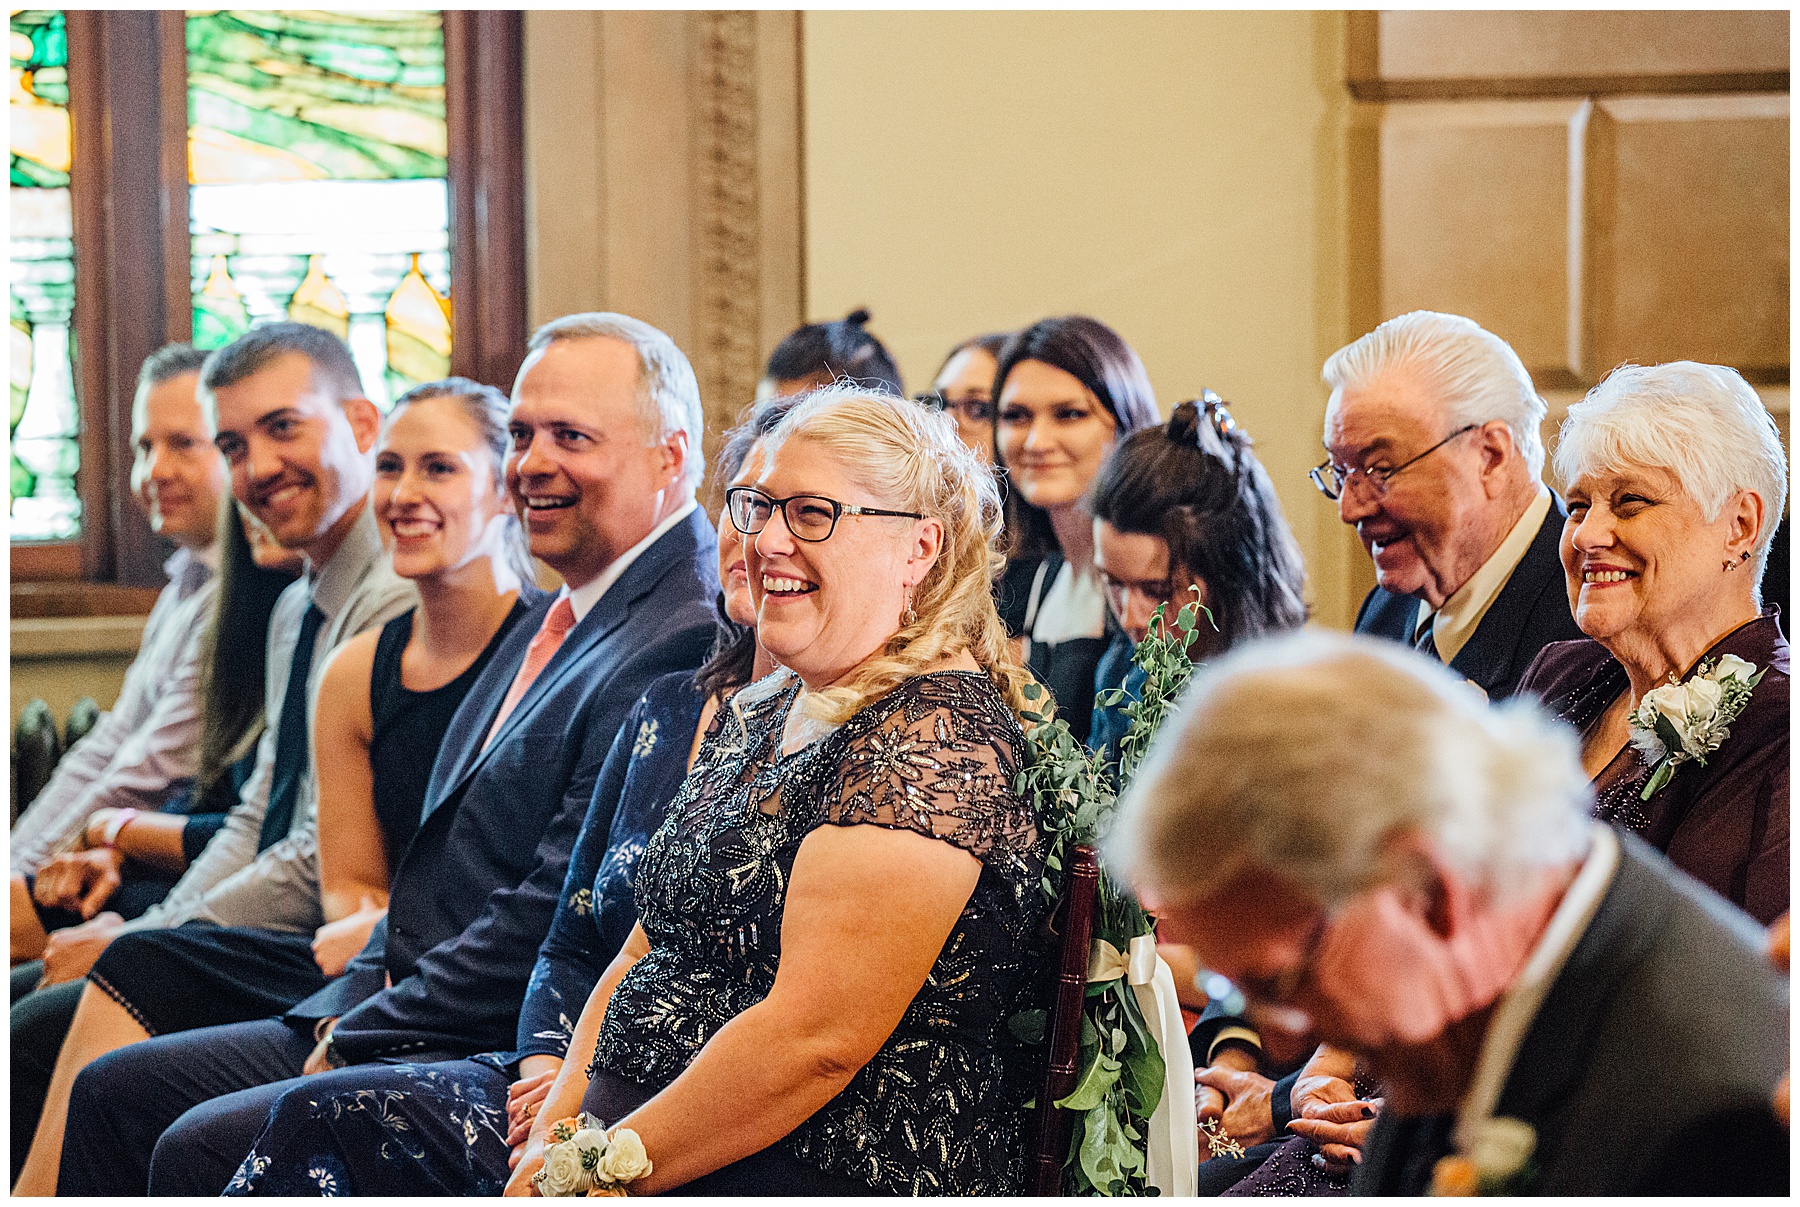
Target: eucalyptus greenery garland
(1073, 792)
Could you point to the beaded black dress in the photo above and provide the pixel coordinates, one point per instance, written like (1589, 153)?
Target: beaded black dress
(939, 1110)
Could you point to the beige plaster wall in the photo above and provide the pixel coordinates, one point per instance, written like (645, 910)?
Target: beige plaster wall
(60, 661)
(1181, 176)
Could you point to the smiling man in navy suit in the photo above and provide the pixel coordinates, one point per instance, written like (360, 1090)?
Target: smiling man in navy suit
(1435, 459)
(606, 435)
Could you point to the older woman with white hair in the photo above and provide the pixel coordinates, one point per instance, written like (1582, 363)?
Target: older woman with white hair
(1371, 852)
(841, 911)
(1676, 480)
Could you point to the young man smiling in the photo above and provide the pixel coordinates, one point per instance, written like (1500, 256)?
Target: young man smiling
(299, 440)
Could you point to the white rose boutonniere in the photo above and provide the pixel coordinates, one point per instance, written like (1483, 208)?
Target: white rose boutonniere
(1497, 1162)
(1684, 722)
(582, 1158)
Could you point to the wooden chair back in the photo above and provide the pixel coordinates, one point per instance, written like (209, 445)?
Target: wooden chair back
(1062, 1030)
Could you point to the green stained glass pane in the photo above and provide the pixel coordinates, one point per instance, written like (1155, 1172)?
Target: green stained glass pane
(315, 96)
(44, 426)
(316, 150)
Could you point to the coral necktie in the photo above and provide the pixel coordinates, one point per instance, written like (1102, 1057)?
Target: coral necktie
(537, 655)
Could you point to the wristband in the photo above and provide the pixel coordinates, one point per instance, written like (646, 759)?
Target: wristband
(109, 835)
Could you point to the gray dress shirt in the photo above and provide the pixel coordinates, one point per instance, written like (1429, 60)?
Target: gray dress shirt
(231, 883)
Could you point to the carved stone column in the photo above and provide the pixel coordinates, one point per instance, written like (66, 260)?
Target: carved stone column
(663, 180)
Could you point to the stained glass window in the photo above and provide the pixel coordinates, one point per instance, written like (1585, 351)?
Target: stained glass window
(316, 153)
(45, 422)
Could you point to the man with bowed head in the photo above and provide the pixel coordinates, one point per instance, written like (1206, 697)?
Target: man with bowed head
(604, 460)
(1378, 857)
(1436, 460)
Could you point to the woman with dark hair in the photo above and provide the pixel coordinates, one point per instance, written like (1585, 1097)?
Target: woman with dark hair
(820, 353)
(465, 1120)
(1066, 389)
(964, 386)
(1180, 508)
(1187, 506)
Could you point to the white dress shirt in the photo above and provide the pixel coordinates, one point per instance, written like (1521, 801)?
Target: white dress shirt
(583, 598)
(1518, 1006)
(1462, 613)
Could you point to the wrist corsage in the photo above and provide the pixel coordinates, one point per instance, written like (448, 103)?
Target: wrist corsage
(1684, 722)
(582, 1158)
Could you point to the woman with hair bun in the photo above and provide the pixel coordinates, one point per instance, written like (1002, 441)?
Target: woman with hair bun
(841, 911)
(1187, 506)
(819, 354)
(1066, 390)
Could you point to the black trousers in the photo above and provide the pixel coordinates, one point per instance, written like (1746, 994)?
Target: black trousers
(124, 1102)
(40, 1022)
(175, 1115)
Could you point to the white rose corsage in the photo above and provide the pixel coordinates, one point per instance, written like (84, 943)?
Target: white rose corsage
(583, 1158)
(1684, 722)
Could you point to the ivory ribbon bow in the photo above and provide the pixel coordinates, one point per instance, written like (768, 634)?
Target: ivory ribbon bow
(1108, 963)
(1174, 1137)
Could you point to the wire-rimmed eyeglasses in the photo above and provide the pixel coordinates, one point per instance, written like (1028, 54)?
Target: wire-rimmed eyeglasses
(1333, 480)
(808, 517)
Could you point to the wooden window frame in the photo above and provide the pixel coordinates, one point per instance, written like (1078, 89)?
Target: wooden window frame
(129, 191)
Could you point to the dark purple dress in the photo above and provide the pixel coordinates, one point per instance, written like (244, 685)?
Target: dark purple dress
(1724, 824)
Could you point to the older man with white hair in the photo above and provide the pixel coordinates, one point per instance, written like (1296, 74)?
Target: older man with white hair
(1379, 858)
(1435, 459)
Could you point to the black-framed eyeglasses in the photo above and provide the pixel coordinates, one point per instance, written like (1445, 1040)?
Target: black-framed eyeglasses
(1334, 480)
(972, 410)
(808, 517)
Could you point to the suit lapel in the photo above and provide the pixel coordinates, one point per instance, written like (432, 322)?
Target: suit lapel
(1494, 644)
(613, 609)
(1622, 930)
(472, 721)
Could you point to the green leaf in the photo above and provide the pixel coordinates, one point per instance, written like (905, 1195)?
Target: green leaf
(1105, 1153)
(1028, 1025)
(1144, 1069)
(1090, 1091)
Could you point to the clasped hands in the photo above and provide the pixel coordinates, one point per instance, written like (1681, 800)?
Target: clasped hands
(82, 880)
(1326, 1109)
(524, 1099)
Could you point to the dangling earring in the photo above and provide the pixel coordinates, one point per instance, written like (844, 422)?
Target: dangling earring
(908, 617)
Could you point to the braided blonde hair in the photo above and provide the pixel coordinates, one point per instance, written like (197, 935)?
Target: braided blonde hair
(911, 459)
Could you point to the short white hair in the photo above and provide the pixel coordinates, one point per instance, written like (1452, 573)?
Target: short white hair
(1305, 753)
(1702, 423)
(668, 393)
(1473, 373)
